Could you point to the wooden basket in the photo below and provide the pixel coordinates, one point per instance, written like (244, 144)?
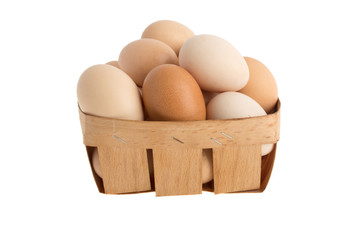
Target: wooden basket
(177, 146)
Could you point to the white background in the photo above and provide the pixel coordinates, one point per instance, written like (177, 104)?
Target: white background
(47, 190)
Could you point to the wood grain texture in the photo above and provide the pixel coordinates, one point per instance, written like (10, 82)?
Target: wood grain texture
(124, 170)
(237, 168)
(177, 171)
(125, 165)
(267, 163)
(200, 134)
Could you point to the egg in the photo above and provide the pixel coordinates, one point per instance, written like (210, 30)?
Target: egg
(96, 163)
(106, 91)
(172, 33)
(215, 64)
(171, 93)
(113, 63)
(138, 58)
(261, 85)
(230, 105)
(207, 166)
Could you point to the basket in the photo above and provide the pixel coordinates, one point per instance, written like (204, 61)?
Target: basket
(176, 147)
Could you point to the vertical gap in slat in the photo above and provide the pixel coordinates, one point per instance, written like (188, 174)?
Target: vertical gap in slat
(97, 178)
(150, 158)
(266, 168)
(207, 168)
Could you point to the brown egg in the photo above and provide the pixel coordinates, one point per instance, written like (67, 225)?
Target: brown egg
(171, 93)
(172, 33)
(113, 63)
(138, 58)
(261, 85)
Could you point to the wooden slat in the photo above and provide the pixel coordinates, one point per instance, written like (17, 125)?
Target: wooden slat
(177, 171)
(200, 134)
(124, 170)
(237, 168)
(122, 153)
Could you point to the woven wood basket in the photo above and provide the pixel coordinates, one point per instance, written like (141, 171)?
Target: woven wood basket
(176, 147)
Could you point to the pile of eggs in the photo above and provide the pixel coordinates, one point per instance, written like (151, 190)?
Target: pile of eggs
(171, 74)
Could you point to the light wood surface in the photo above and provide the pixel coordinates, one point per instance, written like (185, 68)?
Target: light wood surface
(124, 169)
(177, 146)
(194, 134)
(237, 168)
(177, 171)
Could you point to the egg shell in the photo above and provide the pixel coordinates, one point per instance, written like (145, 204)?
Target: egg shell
(171, 93)
(114, 63)
(138, 58)
(106, 91)
(229, 105)
(261, 85)
(172, 33)
(215, 64)
(207, 166)
(96, 163)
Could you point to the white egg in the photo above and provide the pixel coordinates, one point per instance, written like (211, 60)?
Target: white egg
(215, 64)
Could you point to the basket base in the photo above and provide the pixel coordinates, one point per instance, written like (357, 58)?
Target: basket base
(267, 163)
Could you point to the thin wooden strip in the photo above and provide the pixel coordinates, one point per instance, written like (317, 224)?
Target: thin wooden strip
(186, 134)
(124, 170)
(177, 171)
(237, 168)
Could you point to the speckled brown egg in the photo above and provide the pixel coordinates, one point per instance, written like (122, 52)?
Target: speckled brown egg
(171, 93)
(138, 58)
(261, 85)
